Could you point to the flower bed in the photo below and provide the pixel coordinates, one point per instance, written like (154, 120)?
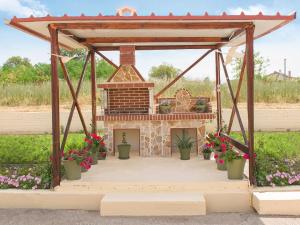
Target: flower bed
(24, 176)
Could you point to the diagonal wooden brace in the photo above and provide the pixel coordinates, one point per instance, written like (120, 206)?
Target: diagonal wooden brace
(182, 73)
(232, 97)
(75, 100)
(236, 99)
(106, 59)
(73, 105)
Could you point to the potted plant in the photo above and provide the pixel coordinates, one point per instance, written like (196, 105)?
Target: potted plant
(206, 151)
(87, 161)
(124, 148)
(102, 151)
(220, 145)
(165, 107)
(235, 164)
(184, 144)
(71, 162)
(200, 106)
(93, 142)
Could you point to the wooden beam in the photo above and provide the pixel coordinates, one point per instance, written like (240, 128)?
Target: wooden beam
(218, 91)
(69, 83)
(250, 100)
(157, 47)
(237, 94)
(152, 25)
(73, 105)
(182, 73)
(232, 98)
(94, 40)
(106, 59)
(56, 153)
(244, 148)
(93, 92)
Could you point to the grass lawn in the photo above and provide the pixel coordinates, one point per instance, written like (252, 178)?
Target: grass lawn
(23, 149)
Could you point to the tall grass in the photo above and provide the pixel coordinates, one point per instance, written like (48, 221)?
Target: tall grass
(265, 91)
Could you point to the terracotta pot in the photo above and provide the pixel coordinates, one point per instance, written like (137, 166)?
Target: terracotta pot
(72, 169)
(124, 150)
(185, 153)
(102, 155)
(235, 169)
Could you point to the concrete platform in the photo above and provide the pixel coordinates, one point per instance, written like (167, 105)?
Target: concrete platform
(277, 203)
(153, 204)
(165, 175)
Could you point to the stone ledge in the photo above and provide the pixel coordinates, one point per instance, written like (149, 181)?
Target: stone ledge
(120, 85)
(157, 117)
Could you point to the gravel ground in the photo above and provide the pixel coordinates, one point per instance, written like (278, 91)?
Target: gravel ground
(80, 217)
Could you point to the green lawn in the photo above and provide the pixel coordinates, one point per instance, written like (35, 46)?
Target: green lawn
(23, 149)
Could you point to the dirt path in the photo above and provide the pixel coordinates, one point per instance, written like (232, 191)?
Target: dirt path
(21, 120)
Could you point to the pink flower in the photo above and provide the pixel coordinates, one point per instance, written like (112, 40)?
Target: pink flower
(216, 156)
(221, 161)
(246, 156)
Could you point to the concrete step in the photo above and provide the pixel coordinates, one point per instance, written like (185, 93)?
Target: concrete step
(152, 204)
(153, 186)
(277, 203)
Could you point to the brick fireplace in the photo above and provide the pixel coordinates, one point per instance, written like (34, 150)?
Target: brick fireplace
(129, 105)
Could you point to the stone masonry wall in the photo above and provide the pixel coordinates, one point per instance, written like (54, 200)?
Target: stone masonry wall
(155, 136)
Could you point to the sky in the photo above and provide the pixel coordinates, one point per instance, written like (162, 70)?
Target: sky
(283, 43)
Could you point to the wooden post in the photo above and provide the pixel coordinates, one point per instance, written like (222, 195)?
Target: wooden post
(56, 154)
(93, 92)
(218, 91)
(250, 100)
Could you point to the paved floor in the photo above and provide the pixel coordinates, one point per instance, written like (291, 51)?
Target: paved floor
(79, 217)
(170, 169)
(14, 121)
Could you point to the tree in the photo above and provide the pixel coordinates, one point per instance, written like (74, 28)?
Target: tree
(163, 71)
(260, 66)
(16, 61)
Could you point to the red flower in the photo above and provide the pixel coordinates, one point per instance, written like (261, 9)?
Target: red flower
(246, 156)
(222, 139)
(88, 141)
(102, 143)
(221, 161)
(70, 159)
(223, 147)
(216, 156)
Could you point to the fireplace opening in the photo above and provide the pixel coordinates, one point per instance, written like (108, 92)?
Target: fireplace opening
(132, 138)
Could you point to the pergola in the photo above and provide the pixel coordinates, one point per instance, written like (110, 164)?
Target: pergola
(107, 33)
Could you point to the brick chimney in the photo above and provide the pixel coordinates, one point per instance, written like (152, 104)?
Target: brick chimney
(127, 55)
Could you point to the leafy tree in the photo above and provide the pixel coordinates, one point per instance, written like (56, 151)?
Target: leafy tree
(260, 66)
(163, 71)
(16, 61)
